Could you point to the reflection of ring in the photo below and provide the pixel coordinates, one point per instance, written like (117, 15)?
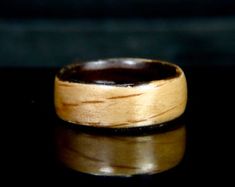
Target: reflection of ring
(121, 92)
(126, 155)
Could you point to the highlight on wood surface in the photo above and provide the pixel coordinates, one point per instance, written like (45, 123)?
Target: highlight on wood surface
(114, 155)
(120, 92)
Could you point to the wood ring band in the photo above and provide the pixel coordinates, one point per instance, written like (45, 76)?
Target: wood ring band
(120, 93)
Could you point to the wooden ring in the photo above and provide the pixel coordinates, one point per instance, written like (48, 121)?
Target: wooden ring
(120, 92)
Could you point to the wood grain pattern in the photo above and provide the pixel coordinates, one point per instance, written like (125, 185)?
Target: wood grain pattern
(125, 96)
(113, 106)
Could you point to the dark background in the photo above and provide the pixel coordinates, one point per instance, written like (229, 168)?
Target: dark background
(39, 36)
(42, 33)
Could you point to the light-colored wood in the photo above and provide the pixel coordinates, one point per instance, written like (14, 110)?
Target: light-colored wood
(120, 155)
(113, 106)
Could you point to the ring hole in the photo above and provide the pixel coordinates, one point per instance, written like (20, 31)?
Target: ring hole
(120, 72)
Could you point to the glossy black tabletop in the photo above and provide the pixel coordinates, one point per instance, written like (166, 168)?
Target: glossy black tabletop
(29, 121)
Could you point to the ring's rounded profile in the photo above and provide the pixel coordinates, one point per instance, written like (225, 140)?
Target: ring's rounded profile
(120, 92)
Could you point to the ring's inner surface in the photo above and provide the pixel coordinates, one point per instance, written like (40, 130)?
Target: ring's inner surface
(122, 72)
